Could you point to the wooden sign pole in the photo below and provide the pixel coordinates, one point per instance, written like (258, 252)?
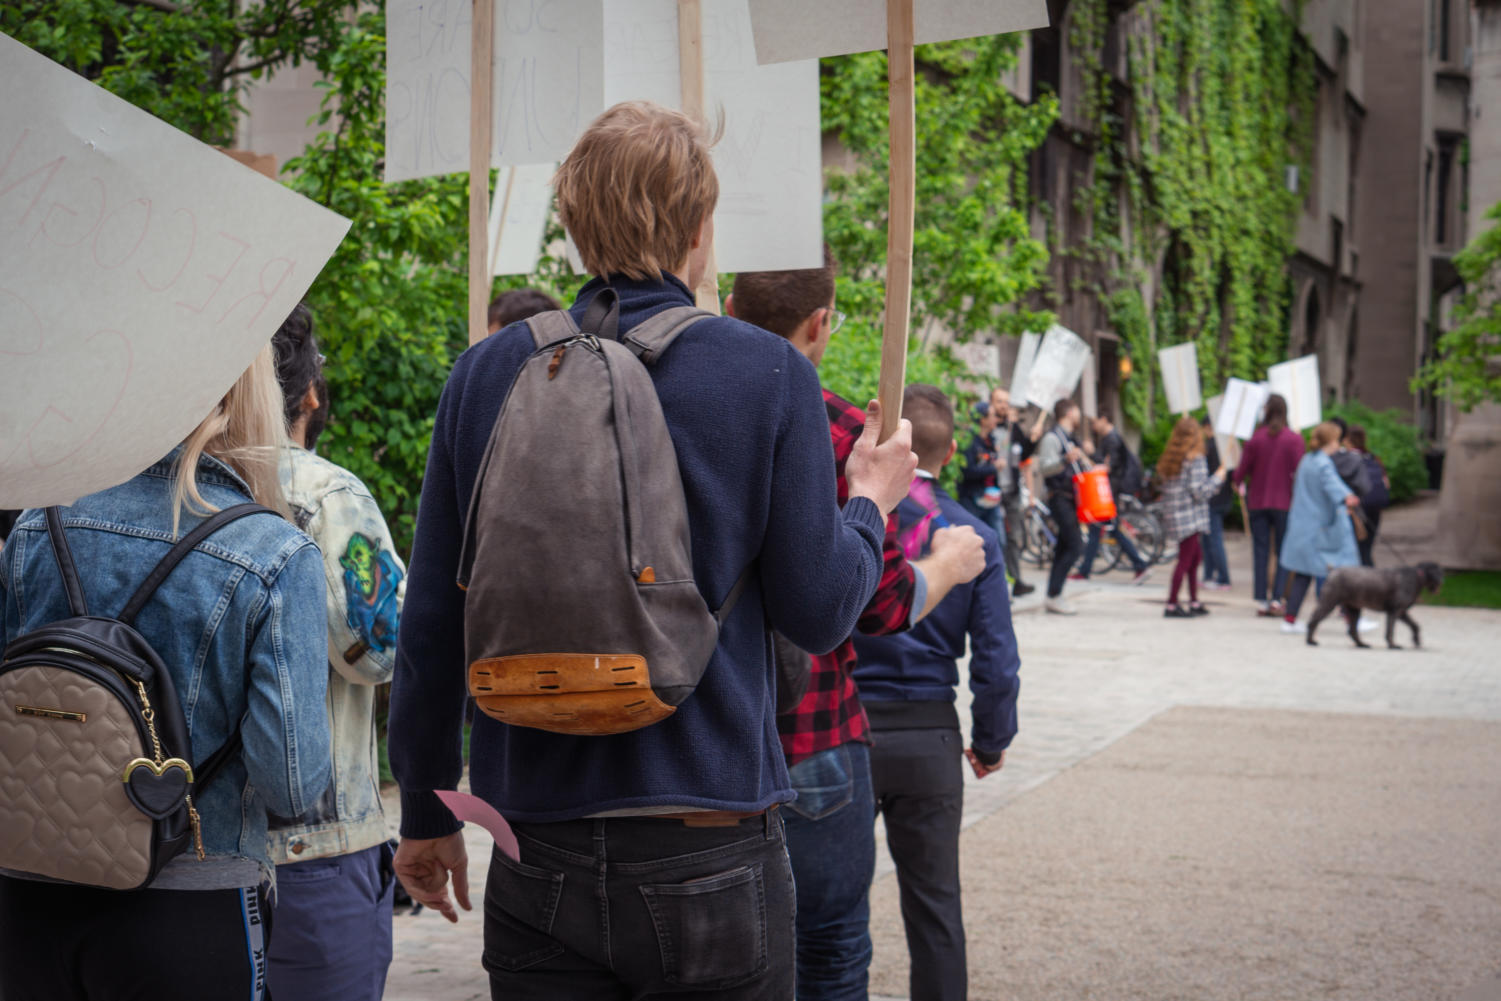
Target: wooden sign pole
(503, 188)
(691, 71)
(481, 53)
(901, 69)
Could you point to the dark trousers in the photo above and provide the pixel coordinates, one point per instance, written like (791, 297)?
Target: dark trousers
(1012, 540)
(636, 907)
(1268, 526)
(1216, 563)
(1297, 590)
(1367, 546)
(334, 919)
(832, 844)
(78, 943)
(1096, 538)
(1070, 545)
(919, 785)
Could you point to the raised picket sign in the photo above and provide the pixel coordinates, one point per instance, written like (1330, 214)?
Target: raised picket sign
(800, 29)
(1297, 382)
(1242, 409)
(140, 272)
(1026, 353)
(1227, 443)
(1180, 378)
(518, 218)
(1057, 368)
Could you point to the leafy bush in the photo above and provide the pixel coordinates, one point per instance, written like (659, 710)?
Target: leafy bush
(1393, 440)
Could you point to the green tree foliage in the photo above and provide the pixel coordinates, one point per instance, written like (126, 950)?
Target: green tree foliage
(974, 259)
(1465, 369)
(1193, 222)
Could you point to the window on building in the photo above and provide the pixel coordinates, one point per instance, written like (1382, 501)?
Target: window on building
(1443, 30)
(1443, 228)
(1427, 188)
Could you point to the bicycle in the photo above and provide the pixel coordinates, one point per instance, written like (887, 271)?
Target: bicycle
(1039, 534)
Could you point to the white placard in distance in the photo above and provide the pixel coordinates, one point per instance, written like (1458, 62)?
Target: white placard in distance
(1026, 351)
(518, 218)
(808, 29)
(1242, 409)
(1057, 368)
(1180, 377)
(140, 272)
(427, 88)
(1297, 382)
(1228, 444)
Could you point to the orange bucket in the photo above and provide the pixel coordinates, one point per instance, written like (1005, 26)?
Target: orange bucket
(1093, 500)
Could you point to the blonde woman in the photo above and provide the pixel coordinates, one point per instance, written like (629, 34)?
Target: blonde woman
(1320, 536)
(1186, 489)
(240, 626)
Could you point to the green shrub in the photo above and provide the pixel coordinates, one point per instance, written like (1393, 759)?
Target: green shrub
(1394, 441)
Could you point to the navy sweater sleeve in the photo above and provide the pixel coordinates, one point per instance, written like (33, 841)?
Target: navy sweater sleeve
(993, 661)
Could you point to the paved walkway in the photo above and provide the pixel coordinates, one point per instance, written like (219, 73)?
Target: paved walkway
(1092, 679)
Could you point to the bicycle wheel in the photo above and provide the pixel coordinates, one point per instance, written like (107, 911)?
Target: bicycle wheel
(1145, 532)
(1038, 549)
(1107, 555)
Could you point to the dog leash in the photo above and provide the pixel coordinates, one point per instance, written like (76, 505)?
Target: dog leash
(1401, 559)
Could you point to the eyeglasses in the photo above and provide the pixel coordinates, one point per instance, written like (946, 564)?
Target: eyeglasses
(321, 360)
(836, 320)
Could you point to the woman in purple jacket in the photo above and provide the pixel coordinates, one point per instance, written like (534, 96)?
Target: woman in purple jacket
(1270, 461)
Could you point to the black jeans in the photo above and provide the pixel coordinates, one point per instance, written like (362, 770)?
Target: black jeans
(637, 907)
(1268, 526)
(1070, 544)
(919, 785)
(71, 943)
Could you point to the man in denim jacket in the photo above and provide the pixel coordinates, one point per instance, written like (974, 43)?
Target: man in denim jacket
(335, 882)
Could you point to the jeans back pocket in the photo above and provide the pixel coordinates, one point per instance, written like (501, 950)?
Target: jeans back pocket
(824, 783)
(711, 931)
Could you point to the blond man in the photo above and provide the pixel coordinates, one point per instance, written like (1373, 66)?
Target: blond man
(653, 862)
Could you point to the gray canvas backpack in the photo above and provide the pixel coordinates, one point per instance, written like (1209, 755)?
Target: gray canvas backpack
(581, 614)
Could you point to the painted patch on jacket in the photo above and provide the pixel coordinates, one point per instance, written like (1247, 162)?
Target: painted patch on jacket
(371, 577)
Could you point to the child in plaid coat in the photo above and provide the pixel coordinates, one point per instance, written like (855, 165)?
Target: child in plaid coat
(1187, 487)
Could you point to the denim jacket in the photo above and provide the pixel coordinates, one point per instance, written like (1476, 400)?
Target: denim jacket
(366, 582)
(240, 625)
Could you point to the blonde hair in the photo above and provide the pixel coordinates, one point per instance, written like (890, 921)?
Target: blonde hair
(1187, 441)
(246, 432)
(635, 190)
(1323, 435)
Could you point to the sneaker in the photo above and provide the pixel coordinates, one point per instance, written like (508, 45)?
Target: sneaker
(1367, 625)
(1077, 576)
(1176, 612)
(1293, 628)
(1059, 607)
(1197, 609)
(1215, 585)
(1141, 576)
(1269, 609)
(1021, 590)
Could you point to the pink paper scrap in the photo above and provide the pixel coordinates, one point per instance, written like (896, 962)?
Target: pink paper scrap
(473, 810)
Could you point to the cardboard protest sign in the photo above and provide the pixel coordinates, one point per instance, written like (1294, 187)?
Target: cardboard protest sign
(770, 159)
(798, 29)
(1242, 409)
(1026, 352)
(1057, 368)
(140, 272)
(548, 71)
(1228, 444)
(1180, 378)
(1297, 382)
(518, 218)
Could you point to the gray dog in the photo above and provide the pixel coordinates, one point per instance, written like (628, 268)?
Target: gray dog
(1392, 590)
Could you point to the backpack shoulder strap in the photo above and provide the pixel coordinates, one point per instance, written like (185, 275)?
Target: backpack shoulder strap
(733, 598)
(65, 564)
(552, 326)
(651, 337)
(180, 551)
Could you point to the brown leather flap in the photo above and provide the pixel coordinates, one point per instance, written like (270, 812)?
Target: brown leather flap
(557, 674)
(581, 714)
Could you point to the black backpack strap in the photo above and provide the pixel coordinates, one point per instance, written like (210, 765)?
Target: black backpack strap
(552, 326)
(733, 598)
(180, 551)
(65, 564)
(651, 337)
(602, 318)
(214, 763)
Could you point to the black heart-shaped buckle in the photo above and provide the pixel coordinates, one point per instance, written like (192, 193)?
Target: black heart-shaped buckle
(158, 791)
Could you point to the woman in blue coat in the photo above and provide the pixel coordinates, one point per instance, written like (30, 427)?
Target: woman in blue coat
(1320, 536)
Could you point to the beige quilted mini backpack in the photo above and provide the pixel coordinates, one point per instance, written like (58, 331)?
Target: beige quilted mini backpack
(95, 783)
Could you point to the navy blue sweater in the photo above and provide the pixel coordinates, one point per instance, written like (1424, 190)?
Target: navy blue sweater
(922, 664)
(747, 420)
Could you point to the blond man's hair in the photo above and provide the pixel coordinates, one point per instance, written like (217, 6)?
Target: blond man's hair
(246, 431)
(1323, 435)
(635, 190)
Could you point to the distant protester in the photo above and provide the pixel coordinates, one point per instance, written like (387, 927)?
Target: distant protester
(1265, 474)
(1059, 457)
(1126, 480)
(1376, 499)
(1216, 562)
(1187, 486)
(1319, 532)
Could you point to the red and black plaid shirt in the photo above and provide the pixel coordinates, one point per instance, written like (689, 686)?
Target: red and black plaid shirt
(830, 714)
